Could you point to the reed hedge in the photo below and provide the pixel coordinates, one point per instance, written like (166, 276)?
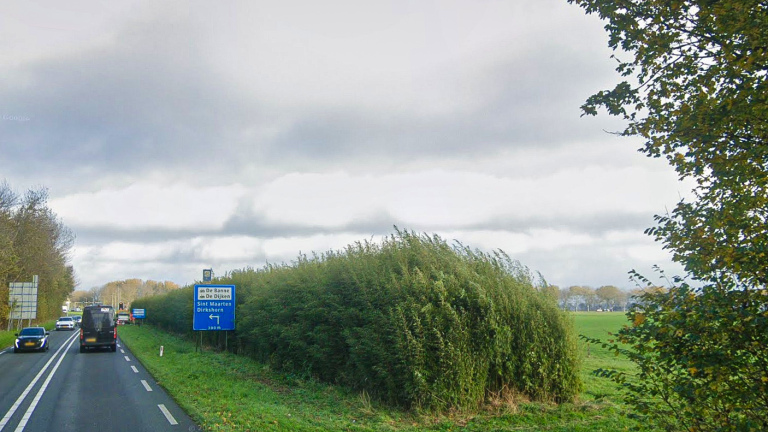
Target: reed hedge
(412, 320)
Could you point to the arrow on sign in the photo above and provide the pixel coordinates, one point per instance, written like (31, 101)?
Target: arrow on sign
(214, 316)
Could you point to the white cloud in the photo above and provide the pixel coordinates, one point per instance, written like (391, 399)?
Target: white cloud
(440, 199)
(151, 205)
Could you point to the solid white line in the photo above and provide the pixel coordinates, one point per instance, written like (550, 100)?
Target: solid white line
(24, 394)
(146, 386)
(134, 369)
(126, 358)
(33, 405)
(167, 415)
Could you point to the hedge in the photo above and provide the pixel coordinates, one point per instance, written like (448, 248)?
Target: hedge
(413, 321)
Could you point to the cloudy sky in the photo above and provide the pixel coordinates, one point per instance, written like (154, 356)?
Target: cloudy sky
(186, 135)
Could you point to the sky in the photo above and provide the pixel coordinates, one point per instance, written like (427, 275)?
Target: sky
(184, 135)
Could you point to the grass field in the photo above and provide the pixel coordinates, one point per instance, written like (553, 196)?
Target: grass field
(599, 325)
(224, 392)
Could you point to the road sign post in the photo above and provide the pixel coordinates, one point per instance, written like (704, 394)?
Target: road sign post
(214, 307)
(139, 314)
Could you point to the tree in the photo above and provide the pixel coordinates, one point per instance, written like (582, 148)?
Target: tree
(611, 296)
(79, 296)
(128, 290)
(701, 101)
(33, 241)
(637, 295)
(696, 91)
(583, 296)
(564, 298)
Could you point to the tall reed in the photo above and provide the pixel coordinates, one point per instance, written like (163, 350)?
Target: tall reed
(412, 321)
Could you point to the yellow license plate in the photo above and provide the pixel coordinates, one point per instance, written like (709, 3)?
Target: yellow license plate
(29, 344)
(90, 339)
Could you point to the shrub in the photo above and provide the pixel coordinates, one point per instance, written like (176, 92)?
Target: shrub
(412, 321)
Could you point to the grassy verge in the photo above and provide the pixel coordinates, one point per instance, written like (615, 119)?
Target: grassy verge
(8, 337)
(224, 392)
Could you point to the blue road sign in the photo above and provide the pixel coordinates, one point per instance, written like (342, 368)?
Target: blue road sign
(214, 307)
(139, 313)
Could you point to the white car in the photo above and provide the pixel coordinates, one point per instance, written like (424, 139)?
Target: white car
(65, 323)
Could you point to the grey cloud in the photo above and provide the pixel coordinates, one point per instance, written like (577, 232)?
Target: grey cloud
(530, 100)
(239, 225)
(595, 225)
(254, 225)
(150, 101)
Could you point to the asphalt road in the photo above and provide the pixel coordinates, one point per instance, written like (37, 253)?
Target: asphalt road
(64, 390)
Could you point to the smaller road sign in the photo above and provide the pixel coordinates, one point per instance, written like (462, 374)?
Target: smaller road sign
(139, 313)
(214, 307)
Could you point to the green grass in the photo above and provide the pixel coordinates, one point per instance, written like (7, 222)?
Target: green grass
(225, 392)
(599, 325)
(8, 337)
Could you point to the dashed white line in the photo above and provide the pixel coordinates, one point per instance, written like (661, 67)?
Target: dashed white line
(126, 358)
(146, 386)
(167, 415)
(122, 351)
(134, 369)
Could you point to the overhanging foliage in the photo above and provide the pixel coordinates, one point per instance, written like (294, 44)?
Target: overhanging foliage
(701, 101)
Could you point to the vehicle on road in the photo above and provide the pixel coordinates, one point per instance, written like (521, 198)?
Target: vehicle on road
(98, 328)
(31, 339)
(65, 323)
(123, 317)
(78, 319)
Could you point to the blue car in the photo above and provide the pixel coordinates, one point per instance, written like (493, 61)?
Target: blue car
(31, 339)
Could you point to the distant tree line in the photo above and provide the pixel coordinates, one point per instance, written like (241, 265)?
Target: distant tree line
(33, 241)
(604, 298)
(122, 291)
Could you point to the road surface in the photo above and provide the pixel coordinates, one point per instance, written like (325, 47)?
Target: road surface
(64, 390)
